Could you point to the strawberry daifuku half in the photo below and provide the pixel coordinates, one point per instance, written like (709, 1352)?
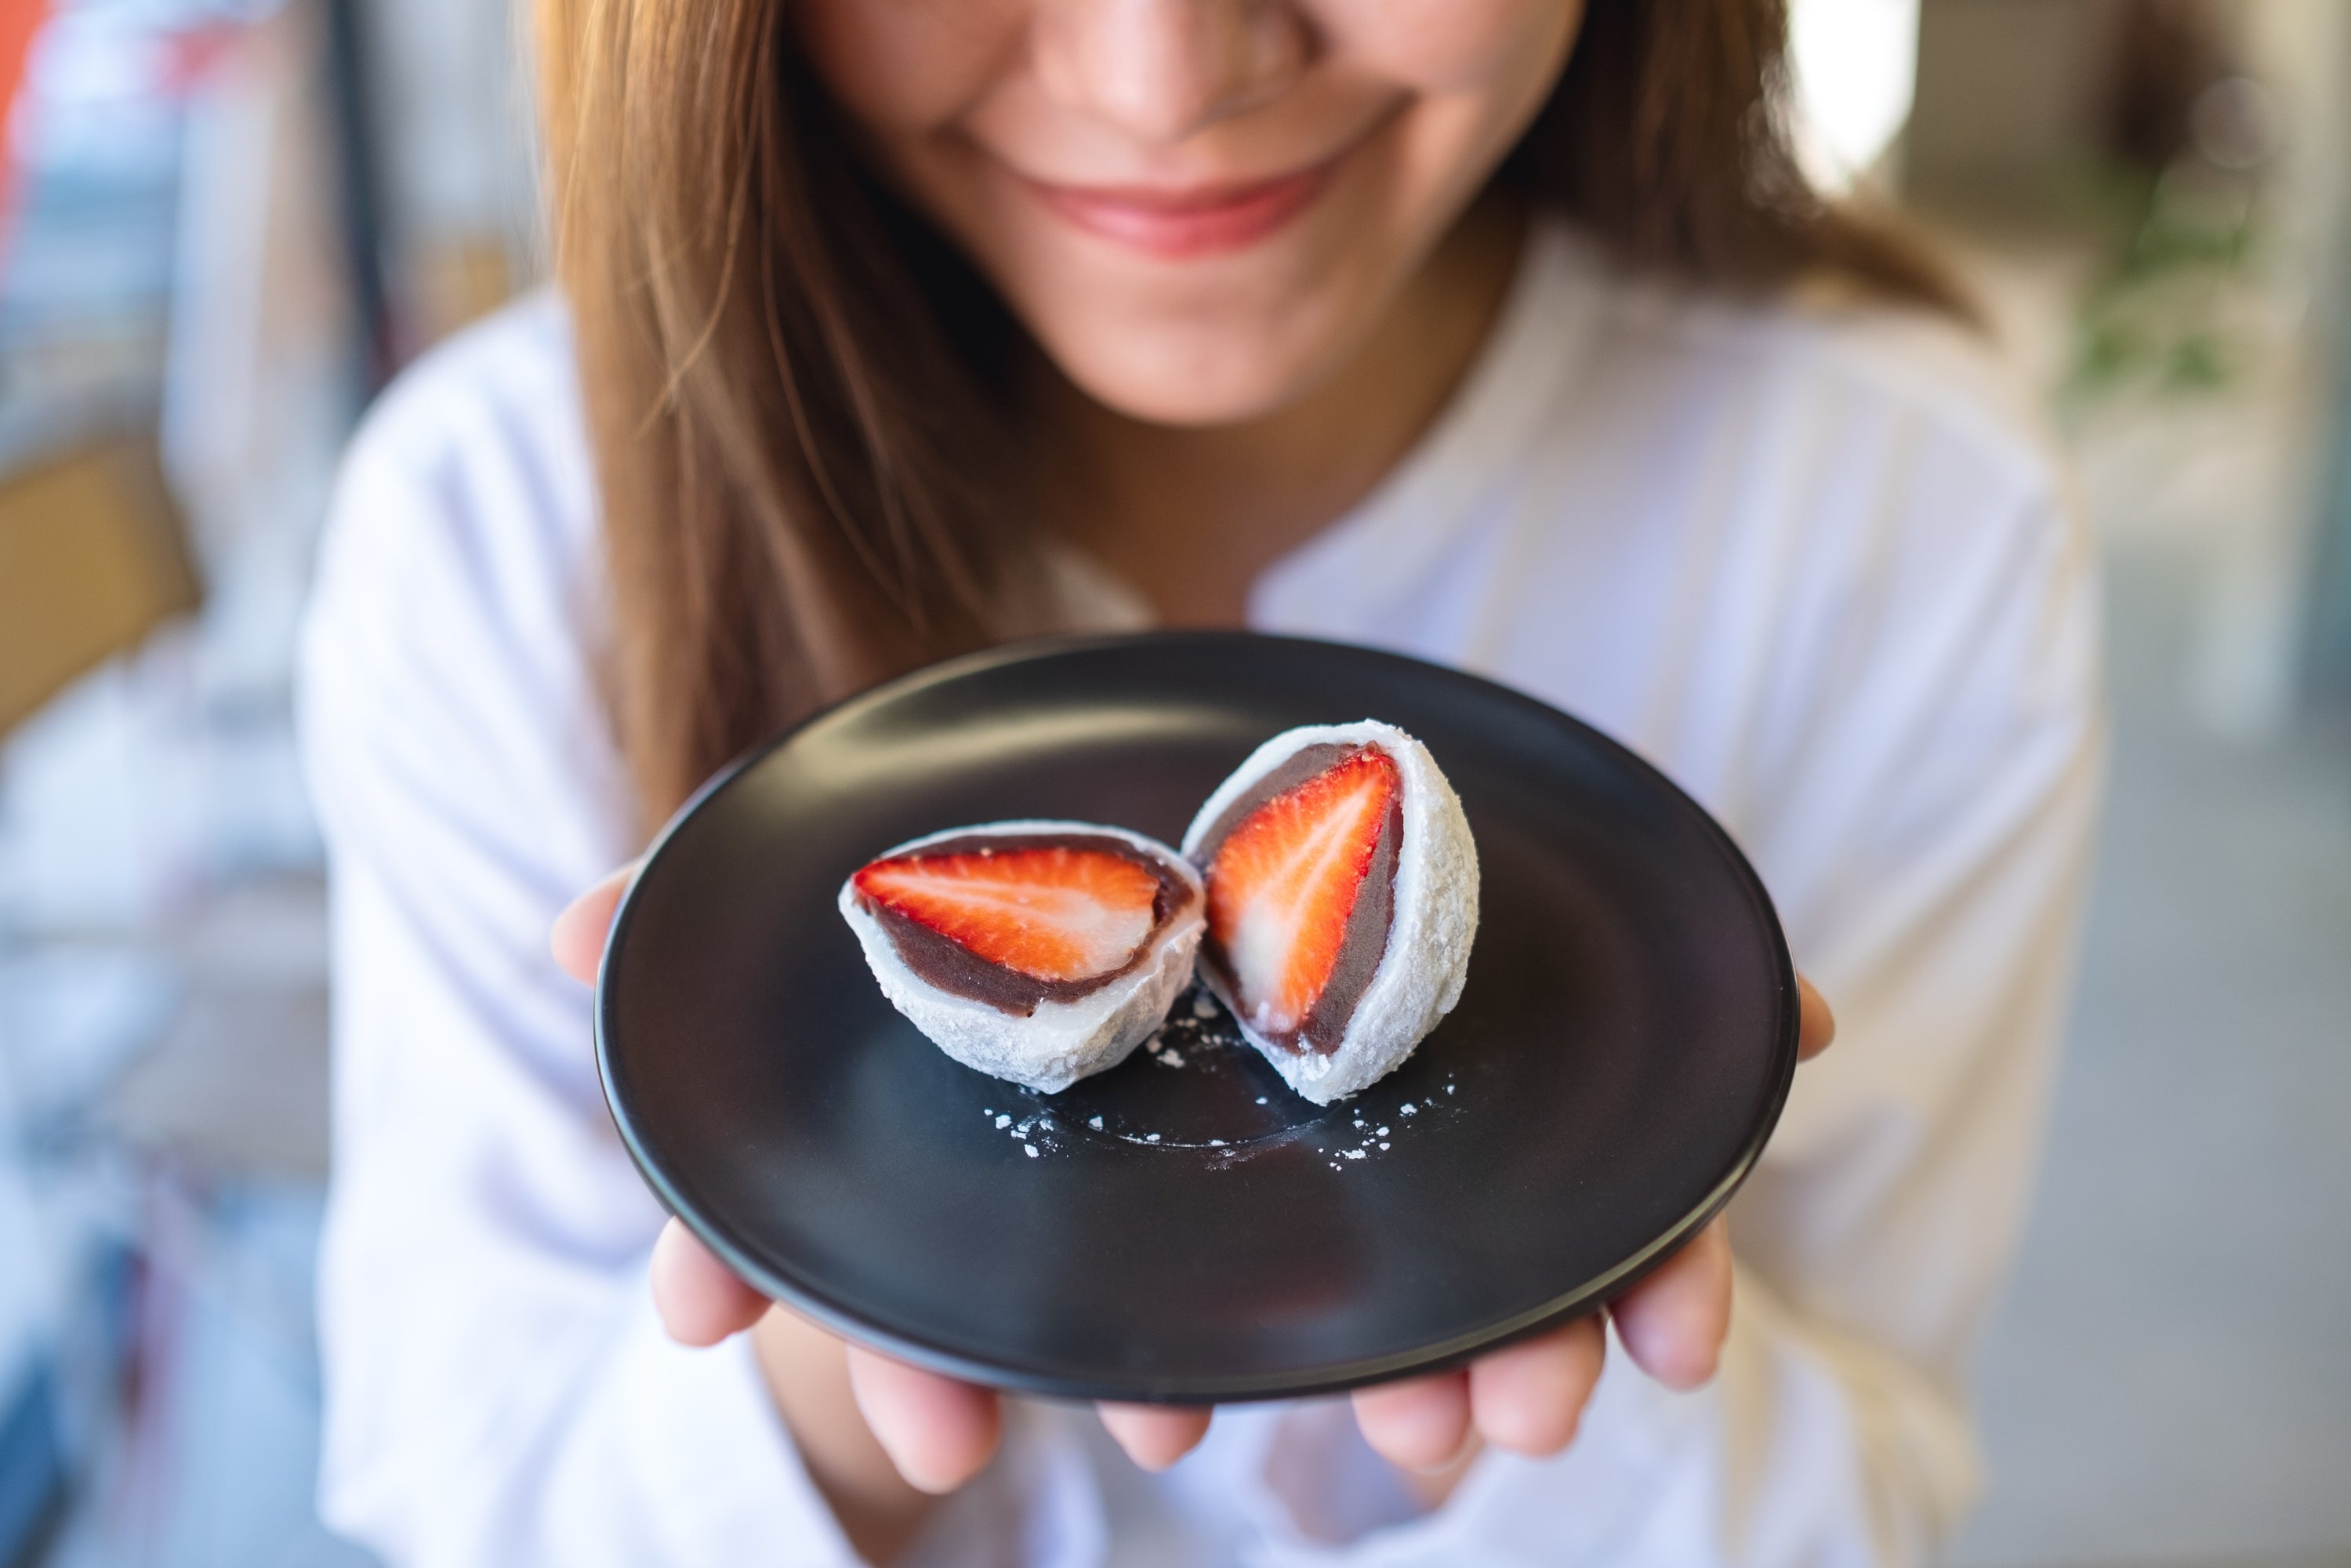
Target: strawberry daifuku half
(1038, 952)
(1342, 901)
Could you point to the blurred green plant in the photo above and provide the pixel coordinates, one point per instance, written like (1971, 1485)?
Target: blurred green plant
(2168, 314)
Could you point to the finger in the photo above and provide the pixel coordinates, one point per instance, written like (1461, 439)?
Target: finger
(700, 1299)
(939, 1432)
(576, 939)
(1155, 1436)
(1673, 1322)
(1528, 1397)
(1817, 1025)
(1419, 1425)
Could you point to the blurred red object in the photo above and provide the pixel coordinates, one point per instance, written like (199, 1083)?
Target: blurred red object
(19, 21)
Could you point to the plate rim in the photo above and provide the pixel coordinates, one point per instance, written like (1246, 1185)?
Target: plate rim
(1332, 1378)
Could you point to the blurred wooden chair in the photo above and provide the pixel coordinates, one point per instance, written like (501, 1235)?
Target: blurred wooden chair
(93, 559)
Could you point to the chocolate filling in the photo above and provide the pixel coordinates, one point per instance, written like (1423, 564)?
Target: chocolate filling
(949, 966)
(1367, 939)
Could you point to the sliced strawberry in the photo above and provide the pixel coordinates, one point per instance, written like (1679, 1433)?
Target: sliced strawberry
(1055, 912)
(1285, 879)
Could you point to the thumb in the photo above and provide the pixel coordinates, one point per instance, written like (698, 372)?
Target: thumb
(576, 939)
(699, 1299)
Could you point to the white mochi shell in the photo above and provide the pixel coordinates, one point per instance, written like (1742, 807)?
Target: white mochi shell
(1060, 1042)
(1427, 961)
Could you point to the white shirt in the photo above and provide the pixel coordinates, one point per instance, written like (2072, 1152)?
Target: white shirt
(1815, 566)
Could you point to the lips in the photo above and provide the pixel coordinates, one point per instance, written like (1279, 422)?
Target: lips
(1194, 221)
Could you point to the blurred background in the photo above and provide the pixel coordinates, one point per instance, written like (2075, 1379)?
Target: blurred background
(224, 222)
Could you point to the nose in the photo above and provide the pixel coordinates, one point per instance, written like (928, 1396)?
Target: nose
(1162, 69)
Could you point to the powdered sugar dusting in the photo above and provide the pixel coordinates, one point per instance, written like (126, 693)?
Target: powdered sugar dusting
(1210, 1114)
(1034, 1134)
(1374, 1136)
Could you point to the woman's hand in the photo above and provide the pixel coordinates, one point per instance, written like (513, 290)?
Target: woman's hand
(1528, 1397)
(937, 1433)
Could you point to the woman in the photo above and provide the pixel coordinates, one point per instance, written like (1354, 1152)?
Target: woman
(1503, 333)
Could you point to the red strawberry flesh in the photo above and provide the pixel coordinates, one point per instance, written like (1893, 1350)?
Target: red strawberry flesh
(1013, 920)
(1300, 895)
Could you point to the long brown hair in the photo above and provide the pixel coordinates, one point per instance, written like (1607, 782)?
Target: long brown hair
(796, 391)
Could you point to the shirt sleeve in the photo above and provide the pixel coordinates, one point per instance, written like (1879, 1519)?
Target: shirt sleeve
(498, 1390)
(1925, 829)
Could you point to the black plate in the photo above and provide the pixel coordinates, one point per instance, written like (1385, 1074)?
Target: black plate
(1620, 1054)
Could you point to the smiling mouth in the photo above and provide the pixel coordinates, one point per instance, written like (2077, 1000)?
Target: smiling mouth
(1195, 221)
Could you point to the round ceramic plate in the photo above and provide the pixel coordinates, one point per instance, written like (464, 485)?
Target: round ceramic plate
(1183, 1227)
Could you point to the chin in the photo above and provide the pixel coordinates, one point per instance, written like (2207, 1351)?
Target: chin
(1197, 373)
(1216, 388)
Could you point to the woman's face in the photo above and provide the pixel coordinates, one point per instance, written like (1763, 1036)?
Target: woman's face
(1200, 208)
